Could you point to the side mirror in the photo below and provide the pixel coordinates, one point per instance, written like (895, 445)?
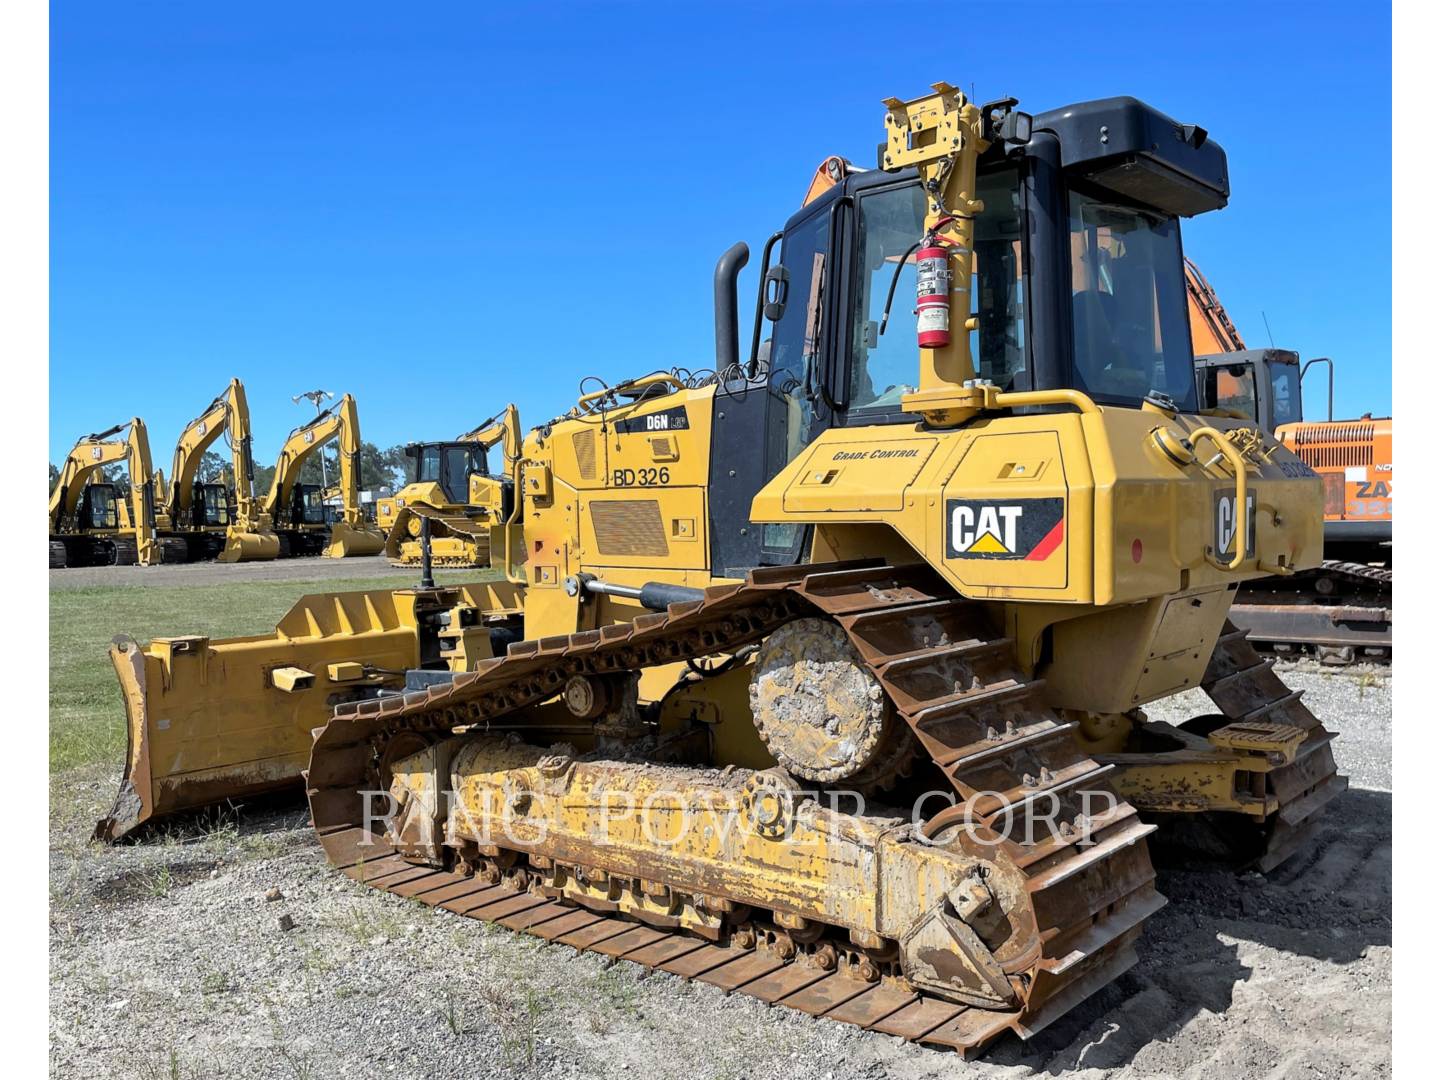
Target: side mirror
(777, 291)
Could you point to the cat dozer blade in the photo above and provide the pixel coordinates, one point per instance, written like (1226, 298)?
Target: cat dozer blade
(209, 722)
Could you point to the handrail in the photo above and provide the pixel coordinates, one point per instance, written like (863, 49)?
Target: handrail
(1021, 398)
(1231, 453)
(654, 379)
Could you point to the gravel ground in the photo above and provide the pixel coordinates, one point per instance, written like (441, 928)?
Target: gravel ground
(167, 961)
(214, 573)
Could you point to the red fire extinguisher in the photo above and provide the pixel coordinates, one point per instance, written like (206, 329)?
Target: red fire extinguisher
(932, 293)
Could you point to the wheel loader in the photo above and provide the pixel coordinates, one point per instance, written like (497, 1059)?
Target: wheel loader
(450, 491)
(823, 676)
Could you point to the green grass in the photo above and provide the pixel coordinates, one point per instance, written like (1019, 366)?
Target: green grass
(87, 718)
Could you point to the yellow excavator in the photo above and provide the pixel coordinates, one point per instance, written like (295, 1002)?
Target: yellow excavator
(823, 676)
(206, 517)
(90, 524)
(451, 492)
(296, 510)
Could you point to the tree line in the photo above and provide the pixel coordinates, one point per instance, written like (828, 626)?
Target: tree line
(378, 469)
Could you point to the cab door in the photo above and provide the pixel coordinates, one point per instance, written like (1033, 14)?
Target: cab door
(761, 423)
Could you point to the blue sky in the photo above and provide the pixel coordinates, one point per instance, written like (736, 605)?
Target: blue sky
(441, 207)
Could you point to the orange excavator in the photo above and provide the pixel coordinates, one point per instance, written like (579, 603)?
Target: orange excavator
(1340, 612)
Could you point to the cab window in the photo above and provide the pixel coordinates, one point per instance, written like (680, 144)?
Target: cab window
(1131, 330)
(1285, 394)
(459, 464)
(1235, 390)
(883, 367)
(427, 465)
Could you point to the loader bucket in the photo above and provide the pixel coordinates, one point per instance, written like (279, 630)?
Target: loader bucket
(249, 546)
(212, 721)
(351, 540)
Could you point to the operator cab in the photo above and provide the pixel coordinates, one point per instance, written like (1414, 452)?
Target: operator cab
(1262, 385)
(98, 508)
(447, 464)
(1079, 283)
(307, 507)
(210, 506)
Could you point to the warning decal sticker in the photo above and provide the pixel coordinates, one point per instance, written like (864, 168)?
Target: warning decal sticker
(1003, 529)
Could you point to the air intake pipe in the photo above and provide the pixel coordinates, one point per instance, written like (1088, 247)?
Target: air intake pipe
(727, 307)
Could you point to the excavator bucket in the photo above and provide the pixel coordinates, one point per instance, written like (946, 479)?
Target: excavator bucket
(212, 721)
(352, 540)
(249, 547)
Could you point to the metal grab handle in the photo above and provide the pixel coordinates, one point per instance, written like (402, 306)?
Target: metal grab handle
(587, 401)
(1015, 399)
(1231, 453)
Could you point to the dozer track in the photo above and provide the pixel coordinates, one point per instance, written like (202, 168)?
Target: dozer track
(447, 532)
(1087, 885)
(1257, 702)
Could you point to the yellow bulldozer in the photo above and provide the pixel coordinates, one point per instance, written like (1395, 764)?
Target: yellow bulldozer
(91, 523)
(451, 493)
(290, 519)
(822, 677)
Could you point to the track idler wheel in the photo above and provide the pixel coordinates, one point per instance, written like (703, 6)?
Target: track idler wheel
(822, 712)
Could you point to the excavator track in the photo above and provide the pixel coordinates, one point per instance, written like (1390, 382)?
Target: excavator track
(1089, 884)
(174, 549)
(1244, 686)
(1339, 612)
(473, 534)
(123, 551)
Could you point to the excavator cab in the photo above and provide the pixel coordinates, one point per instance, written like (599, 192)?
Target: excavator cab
(1262, 385)
(211, 506)
(99, 507)
(307, 505)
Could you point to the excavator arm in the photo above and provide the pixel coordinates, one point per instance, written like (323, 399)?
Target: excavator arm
(503, 427)
(351, 535)
(489, 491)
(1211, 330)
(228, 414)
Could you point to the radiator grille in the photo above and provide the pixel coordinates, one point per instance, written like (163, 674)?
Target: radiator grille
(629, 527)
(584, 443)
(1336, 457)
(1335, 446)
